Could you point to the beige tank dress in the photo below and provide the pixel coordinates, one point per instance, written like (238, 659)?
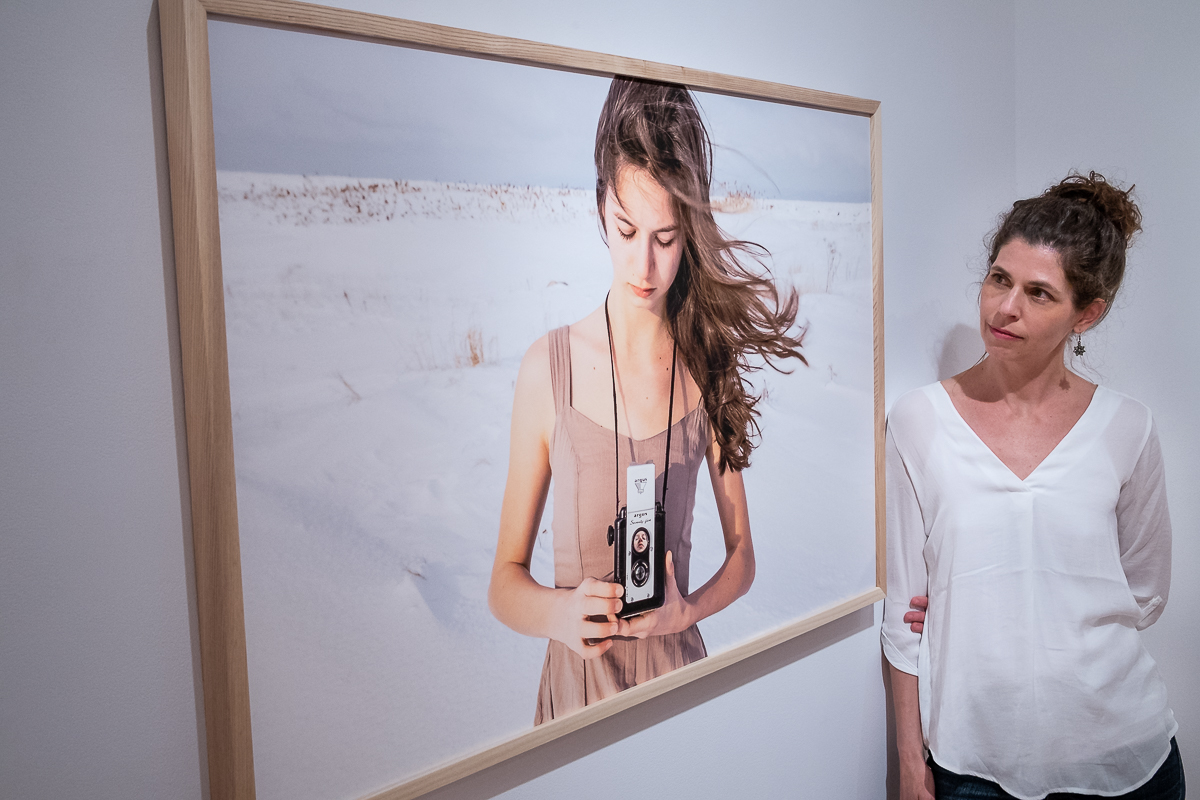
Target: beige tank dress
(581, 460)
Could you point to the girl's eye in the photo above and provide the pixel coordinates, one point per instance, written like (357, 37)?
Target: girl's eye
(667, 243)
(626, 236)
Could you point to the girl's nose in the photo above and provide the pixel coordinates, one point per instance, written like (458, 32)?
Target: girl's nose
(644, 265)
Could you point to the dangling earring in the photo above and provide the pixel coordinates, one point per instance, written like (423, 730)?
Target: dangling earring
(1079, 348)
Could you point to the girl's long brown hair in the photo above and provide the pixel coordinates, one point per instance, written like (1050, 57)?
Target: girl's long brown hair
(727, 319)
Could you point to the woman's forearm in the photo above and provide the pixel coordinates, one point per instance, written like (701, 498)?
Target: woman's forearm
(910, 743)
(916, 778)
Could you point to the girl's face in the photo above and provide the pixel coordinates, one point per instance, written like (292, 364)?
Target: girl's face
(644, 239)
(1026, 309)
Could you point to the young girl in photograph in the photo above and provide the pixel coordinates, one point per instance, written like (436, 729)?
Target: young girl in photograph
(661, 363)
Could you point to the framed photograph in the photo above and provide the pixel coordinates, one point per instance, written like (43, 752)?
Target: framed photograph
(375, 221)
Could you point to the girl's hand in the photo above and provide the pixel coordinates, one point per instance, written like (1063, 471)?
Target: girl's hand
(916, 619)
(673, 616)
(577, 613)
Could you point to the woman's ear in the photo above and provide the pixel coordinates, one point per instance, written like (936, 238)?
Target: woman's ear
(1093, 312)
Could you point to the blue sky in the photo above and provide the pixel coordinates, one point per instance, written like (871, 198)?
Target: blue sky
(301, 103)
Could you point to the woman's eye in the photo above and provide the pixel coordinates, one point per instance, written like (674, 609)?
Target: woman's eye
(626, 235)
(667, 243)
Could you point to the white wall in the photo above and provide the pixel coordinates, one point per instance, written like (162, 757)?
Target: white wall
(1115, 87)
(97, 689)
(99, 686)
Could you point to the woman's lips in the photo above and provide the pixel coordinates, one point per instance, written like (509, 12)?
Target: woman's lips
(1000, 333)
(640, 292)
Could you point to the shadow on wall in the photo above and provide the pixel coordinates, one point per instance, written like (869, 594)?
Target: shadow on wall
(167, 238)
(961, 349)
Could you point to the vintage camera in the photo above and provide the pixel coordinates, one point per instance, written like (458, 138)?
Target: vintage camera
(638, 536)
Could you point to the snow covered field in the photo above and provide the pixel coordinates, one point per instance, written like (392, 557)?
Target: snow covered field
(375, 329)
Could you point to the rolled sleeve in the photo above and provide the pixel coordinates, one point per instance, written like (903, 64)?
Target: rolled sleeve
(907, 574)
(1144, 532)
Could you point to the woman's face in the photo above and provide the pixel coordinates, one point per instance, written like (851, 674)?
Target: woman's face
(644, 239)
(1026, 309)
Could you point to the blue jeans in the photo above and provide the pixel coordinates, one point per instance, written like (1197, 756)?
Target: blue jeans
(1166, 784)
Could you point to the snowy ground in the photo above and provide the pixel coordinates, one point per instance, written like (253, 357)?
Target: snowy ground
(375, 330)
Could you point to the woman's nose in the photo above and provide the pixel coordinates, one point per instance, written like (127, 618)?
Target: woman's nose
(1010, 305)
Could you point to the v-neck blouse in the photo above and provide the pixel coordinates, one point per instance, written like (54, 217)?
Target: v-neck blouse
(1030, 669)
(1081, 424)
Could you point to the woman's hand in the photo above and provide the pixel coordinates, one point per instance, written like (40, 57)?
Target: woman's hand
(577, 611)
(673, 616)
(916, 783)
(916, 618)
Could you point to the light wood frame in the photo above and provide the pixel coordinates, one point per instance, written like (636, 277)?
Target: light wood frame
(208, 416)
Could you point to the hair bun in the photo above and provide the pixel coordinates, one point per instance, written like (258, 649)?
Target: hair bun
(1114, 203)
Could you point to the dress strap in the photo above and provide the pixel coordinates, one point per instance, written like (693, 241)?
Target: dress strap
(560, 367)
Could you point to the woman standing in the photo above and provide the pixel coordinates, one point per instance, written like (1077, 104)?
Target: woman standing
(1029, 506)
(669, 346)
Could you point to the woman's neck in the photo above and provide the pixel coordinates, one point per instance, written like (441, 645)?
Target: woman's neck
(1017, 382)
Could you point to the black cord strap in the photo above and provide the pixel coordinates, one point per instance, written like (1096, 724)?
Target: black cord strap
(670, 414)
(612, 366)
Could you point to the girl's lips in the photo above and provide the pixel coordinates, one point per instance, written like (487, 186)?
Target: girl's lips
(643, 293)
(1000, 333)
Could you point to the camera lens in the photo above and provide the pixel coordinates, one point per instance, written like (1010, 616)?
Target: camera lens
(640, 573)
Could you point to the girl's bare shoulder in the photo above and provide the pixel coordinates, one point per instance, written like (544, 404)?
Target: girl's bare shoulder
(533, 389)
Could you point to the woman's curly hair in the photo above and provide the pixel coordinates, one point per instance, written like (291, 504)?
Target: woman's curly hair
(1088, 221)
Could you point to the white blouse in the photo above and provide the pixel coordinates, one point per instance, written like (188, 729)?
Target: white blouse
(1030, 669)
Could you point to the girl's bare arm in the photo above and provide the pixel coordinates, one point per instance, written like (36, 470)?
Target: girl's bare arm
(514, 597)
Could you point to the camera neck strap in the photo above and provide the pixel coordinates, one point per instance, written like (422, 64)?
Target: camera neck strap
(612, 365)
